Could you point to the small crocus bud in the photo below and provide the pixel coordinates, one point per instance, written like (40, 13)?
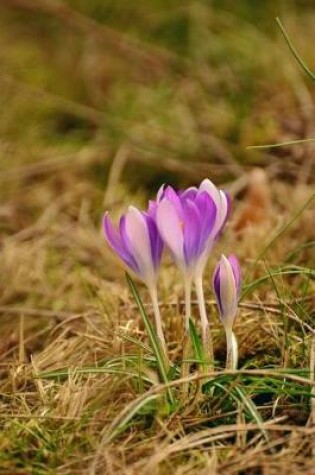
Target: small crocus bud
(227, 286)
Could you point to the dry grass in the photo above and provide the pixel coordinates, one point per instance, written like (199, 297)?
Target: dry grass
(65, 304)
(69, 149)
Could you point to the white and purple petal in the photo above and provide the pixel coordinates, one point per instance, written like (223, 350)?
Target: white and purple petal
(222, 202)
(208, 212)
(226, 286)
(236, 271)
(139, 238)
(216, 285)
(117, 244)
(170, 226)
(170, 194)
(192, 232)
(155, 240)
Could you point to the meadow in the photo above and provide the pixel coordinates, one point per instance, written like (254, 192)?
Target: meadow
(102, 102)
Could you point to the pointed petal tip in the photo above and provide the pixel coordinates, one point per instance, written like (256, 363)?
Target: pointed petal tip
(106, 221)
(160, 192)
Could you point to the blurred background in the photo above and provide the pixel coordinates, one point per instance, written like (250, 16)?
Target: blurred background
(102, 100)
(163, 89)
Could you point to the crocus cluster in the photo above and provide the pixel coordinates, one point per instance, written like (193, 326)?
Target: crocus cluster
(188, 223)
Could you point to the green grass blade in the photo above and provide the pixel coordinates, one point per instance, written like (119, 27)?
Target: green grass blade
(196, 343)
(280, 144)
(294, 52)
(252, 410)
(287, 270)
(156, 347)
(299, 248)
(135, 341)
(275, 237)
(285, 227)
(120, 422)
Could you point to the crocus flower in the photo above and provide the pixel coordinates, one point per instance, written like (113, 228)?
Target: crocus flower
(138, 244)
(185, 222)
(222, 204)
(227, 286)
(183, 233)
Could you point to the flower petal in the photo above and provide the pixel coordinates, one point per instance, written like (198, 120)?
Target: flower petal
(208, 212)
(170, 227)
(160, 193)
(222, 202)
(236, 272)
(155, 240)
(152, 206)
(192, 232)
(171, 195)
(117, 244)
(139, 239)
(223, 211)
(228, 292)
(216, 285)
(211, 189)
(189, 193)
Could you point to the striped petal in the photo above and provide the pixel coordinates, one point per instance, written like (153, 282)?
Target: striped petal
(155, 240)
(223, 211)
(171, 195)
(222, 203)
(208, 212)
(189, 194)
(236, 272)
(117, 244)
(139, 238)
(192, 232)
(170, 227)
(226, 288)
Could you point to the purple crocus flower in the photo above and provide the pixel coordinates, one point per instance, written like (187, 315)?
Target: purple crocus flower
(137, 242)
(190, 222)
(227, 287)
(223, 205)
(185, 221)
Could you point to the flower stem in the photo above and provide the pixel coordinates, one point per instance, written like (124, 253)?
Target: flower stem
(205, 329)
(158, 320)
(231, 350)
(186, 340)
(187, 303)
